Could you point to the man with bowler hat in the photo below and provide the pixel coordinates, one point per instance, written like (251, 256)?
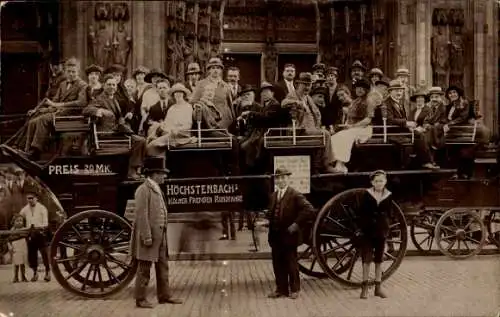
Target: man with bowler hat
(288, 214)
(149, 237)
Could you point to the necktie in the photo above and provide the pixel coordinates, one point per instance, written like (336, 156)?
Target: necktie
(68, 86)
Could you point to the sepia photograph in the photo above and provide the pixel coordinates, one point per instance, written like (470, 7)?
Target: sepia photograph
(250, 158)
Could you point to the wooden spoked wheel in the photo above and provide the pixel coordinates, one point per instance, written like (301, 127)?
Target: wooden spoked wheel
(422, 230)
(308, 263)
(90, 254)
(460, 233)
(493, 225)
(335, 242)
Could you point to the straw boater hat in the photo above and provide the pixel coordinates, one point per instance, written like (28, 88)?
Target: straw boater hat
(266, 85)
(114, 69)
(459, 90)
(376, 72)
(245, 89)
(435, 91)
(154, 164)
(178, 88)
(215, 62)
(359, 65)
(304, 78)
(140, 70)
(419, 93)
(395, 84)
(155, 73)
(94, 69)
(362, 83)
(280, 171)
(193, 68)
(402, 72)
(332, 71)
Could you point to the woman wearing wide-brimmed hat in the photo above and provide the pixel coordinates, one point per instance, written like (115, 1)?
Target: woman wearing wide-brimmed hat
(174, 130)
(359, 129)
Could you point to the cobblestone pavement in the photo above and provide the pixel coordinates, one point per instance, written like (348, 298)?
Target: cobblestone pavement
(423, 286)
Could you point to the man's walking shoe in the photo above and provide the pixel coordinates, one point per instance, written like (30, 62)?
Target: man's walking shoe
(364, 291)
(276, 295)
(35, 277)
(15, 280)
(47, 277)
(169, 300)
(24, 280)
(143, 304)
(294, 295)
(224, 237)
(378, 290)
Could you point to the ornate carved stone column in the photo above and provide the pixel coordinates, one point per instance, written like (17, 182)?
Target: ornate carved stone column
(406, 50)
(490, 98)
(422, 29)
(479, 56)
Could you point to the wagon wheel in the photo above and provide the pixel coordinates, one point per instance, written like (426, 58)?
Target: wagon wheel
(309, 264)
(460, 233)
(334, 226)
(493, 225)
(422, 231)
(90, 254)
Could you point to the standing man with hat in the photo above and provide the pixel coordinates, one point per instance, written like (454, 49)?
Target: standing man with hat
(308, 121)
(149, 238)
(318, 71)
(193, 75)
(288, 213)
(286, 85)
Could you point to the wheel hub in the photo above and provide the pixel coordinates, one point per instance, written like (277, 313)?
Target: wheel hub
(460, 234)
(95, 254)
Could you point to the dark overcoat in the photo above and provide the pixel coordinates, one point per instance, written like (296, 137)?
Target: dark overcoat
(373, 220)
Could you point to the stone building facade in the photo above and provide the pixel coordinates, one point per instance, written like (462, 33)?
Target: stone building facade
(441, 42)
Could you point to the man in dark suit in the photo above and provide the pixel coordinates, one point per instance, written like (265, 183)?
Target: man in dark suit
(233, 78)
(109, 117)
(193, 75)
(57, 76)
(357, 72)
(396, 116)
(332, 114)
(286, 85)
(288, 213)
(158, 111)
(70, 99)
(117, 71)
(149, 237)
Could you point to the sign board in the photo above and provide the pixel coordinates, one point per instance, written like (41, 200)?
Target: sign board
(204, 195)
(300, 166)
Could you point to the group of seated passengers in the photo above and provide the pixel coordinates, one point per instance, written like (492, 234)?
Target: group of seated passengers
(116, 109)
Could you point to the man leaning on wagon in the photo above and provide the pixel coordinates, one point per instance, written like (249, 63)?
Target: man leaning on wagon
(149, 238)
(70, 99)
(109, 118)
(308, 120)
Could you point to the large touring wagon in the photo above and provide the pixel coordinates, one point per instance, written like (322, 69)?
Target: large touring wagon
(89, 250)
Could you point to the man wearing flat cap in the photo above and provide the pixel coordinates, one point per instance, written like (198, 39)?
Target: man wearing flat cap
(403, 75)
(193, 75)
(287, 84)
(308, 121)
(288, 213)
(149, 236)
(318, 70)
(357, 72)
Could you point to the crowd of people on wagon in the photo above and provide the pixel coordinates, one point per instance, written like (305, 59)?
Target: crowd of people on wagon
(158, 112)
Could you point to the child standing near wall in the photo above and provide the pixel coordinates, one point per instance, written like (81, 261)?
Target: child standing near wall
(19, 250)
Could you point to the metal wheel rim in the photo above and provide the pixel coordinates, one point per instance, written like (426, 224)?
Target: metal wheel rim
(447, 231)
(93, 259)
(353, 256)
(309, 269)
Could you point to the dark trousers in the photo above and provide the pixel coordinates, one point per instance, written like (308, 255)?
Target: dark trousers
(227, 219)
(286, 268)
(161, 270)
(37, 242)
(245, 214)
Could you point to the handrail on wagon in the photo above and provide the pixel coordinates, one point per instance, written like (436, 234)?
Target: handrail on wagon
(385, 134)
(464, 135)
(295, 140)
(222, 142)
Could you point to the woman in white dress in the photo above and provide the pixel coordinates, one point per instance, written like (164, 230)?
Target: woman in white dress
(19, 249)
(174, 130)
(359, 116)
